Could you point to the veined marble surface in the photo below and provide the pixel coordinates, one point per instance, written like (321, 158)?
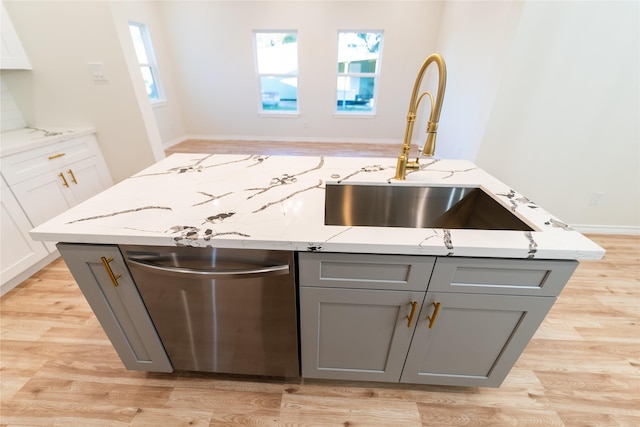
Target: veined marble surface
(277, 202)
(19, 140)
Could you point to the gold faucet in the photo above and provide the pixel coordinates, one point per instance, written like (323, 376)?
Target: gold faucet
(434, 117)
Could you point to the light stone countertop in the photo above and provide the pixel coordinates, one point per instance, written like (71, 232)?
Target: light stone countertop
(19, 140)
(277, 202)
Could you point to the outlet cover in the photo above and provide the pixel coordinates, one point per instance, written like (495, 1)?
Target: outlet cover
(97, 71)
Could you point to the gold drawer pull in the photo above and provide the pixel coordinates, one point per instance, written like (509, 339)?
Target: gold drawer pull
(414, 304)
(73, 178)
(114, 278)
(432, 318)
(55, 156)
(64, 180)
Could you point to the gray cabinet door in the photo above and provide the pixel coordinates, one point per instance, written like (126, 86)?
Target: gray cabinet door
(119, 309)
(475, 339)
(355, 334)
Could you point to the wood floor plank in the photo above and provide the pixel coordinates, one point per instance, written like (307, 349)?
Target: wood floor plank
(298, 409)
(582, 368)
(153, 417)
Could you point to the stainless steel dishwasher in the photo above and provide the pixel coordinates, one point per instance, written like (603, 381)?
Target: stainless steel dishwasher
(221, 310)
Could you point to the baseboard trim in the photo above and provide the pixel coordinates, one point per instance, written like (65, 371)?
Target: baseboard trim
(293, 139)
(607, 229)
(175, 141)
(15, 281)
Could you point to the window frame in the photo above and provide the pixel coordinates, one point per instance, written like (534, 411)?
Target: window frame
(375, 75)
(260, 75)
(151, 63)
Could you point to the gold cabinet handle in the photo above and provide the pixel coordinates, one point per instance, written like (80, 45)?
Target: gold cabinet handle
(432, 318)
(114, 278)
(64, 180)
(55, 156)
(414, 304)
(73, 177)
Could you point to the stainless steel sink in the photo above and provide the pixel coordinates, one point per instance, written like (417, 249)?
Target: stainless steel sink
(416, 207)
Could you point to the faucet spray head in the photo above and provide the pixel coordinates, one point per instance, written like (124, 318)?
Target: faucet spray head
(430, 144)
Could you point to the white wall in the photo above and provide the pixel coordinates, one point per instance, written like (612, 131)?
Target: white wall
(11, 117)
(565, 122)
(167, 115)
(213, 61)
(60, 38)
(546, 93)
(475, 39)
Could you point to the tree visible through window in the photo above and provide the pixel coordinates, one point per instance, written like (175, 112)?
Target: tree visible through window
(358, 70)
(146, 58)
(277, 66)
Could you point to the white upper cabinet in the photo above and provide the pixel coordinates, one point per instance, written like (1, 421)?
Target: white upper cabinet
(13, 55)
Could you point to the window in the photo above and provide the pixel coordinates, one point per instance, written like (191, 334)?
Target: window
(277, 66)
(146, 58)
(358, 70)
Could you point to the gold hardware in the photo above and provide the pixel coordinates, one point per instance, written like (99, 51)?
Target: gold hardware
(432, 318)
(114, 278)
(434, 117)
(414, 304)
(64, 180)
(55, 156)
(73, 178)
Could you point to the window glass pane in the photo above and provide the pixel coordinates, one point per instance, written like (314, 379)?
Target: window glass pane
(279, 93)
(356, 93)
(277, 53)
(149, 82)
(358, 52)
(138, 43)
(146, 59)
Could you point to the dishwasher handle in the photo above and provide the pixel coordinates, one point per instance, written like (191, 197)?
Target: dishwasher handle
(275, 270)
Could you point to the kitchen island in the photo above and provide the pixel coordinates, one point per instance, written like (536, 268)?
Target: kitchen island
(417, 305)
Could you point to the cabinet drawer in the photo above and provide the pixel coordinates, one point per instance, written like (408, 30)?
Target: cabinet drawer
(501, 276)
(363, 271)
(27, 164)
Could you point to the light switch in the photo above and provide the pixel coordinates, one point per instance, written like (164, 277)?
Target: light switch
(97, 71)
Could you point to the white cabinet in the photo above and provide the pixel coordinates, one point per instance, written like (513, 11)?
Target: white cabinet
(13, 54)
(40, 184)
(17, 251)
(49, 180)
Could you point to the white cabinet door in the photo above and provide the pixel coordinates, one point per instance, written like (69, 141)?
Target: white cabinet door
(47, 195)
(44, 197)
(86, 178)
(17, 251)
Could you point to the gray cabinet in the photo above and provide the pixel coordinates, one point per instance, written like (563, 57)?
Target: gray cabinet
(475, 318)
(487, 312)
(355, 311)
(356, 334)
(103, 277)
(474, 340)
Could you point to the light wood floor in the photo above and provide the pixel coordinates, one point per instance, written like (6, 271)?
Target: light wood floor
(581, 369)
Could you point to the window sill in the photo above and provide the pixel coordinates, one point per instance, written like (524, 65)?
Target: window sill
(281, 114)
(353, 115)
(158, 103)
